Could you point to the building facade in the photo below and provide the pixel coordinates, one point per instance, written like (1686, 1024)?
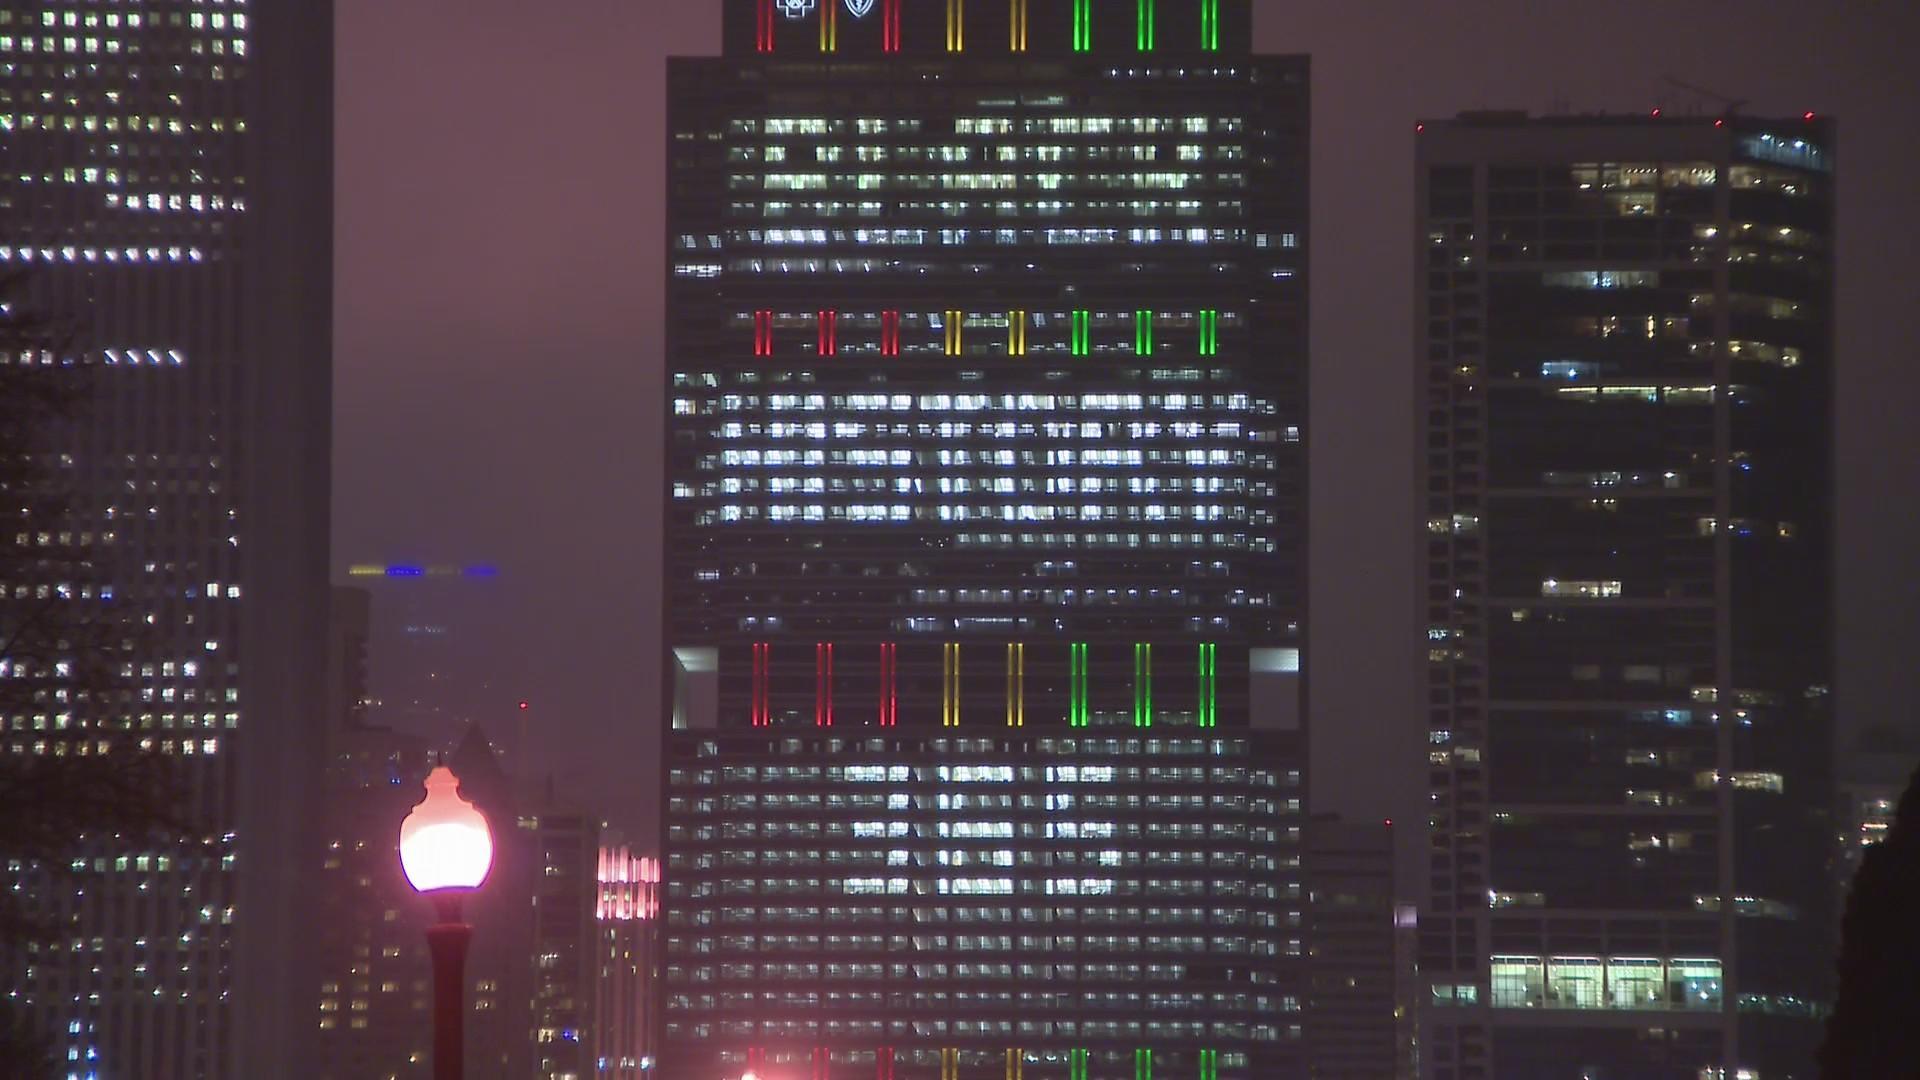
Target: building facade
(987, 353)
(168, 200)
(1625, 370)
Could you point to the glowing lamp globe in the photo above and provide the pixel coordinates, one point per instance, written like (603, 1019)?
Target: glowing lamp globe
(444, 842)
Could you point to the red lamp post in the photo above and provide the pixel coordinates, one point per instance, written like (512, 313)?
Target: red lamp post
(446, 851)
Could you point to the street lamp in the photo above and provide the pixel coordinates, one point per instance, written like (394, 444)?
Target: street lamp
(446, 851)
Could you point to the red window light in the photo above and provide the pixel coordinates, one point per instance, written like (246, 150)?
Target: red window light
(763, 26)
(890, 333)
(823, 684)
(1807, 116)
(762, 658)
(763, 333)
(889, 688)
(829, 334)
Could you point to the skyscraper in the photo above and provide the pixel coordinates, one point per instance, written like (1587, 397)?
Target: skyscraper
(987, 361)
(1625, 370)
(168, 194)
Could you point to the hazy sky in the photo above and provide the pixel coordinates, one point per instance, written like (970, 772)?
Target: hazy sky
(498, 356)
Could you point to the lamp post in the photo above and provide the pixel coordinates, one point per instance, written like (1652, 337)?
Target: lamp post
(446, 851)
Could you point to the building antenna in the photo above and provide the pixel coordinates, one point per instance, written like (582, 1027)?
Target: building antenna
(1731, 104)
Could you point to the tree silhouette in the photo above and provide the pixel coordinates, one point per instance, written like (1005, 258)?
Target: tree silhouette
(1874, 1032)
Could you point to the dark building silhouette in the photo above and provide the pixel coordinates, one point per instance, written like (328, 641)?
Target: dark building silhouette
(1870, 1032)
(168, 197)
(1625, 370)
(375, 988)
(566, 945)
(987, 352)
(1360, 958)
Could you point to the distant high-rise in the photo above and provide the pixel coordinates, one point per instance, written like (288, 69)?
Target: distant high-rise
(374, 981)
(168, 196)
(985, 574)
(566, 945)
(1625, 371)
(628, 913)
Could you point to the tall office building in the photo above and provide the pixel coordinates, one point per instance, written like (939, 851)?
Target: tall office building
(1625, 372)
(987, 351)
(168, 196)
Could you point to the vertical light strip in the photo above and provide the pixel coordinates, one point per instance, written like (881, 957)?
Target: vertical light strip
(1144, 25)
(1143, 332)
(827, 334)
(829, 28)
(1009, 685)
(890, 25)
(1016, 685)
(1082, 326)
(763, 26)
(955, 329)
(889, 695)
(1149, 714)
(1077, 684)
(1213, 685)
(1016, 333)
(956, 25)
(950, 685)
(1082, 25)
(1017, 26)
(1210, 25)
(1142, 684)
(1209, 332)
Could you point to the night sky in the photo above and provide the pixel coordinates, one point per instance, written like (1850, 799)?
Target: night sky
(499, 287)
